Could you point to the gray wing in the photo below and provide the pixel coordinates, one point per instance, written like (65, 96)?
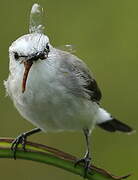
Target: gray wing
(78, 78)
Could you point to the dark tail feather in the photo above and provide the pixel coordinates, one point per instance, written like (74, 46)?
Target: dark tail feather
(115, 125)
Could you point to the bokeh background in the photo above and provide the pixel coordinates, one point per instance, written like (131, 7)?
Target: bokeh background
(105, 34)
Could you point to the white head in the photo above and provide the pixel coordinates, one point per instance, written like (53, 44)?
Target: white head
(28, 49)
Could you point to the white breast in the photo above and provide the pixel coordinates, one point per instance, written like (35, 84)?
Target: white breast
(46, 103)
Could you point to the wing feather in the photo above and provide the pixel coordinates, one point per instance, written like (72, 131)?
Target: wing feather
(79, 78)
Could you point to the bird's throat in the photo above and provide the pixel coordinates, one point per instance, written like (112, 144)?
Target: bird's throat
(27, 66)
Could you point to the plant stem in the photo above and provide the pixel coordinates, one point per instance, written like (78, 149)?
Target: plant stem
(48, 155)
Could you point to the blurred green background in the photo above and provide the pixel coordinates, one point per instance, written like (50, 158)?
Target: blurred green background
(105, 35)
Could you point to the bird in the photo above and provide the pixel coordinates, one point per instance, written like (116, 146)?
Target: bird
(55, 91)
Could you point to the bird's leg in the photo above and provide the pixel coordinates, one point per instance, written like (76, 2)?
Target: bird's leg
(21, 139)
(87, 159)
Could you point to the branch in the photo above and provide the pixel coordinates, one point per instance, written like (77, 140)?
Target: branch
(48, 155)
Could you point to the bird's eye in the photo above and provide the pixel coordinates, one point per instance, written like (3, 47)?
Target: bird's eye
(47, 47)
(16, 55)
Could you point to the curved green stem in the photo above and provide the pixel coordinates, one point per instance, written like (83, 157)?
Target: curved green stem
(48, 155)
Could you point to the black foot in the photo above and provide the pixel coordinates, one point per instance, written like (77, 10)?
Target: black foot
(86, 161)
(21, 139)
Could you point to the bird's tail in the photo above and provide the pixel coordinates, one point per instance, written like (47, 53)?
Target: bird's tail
(108, 123)
(115, 125)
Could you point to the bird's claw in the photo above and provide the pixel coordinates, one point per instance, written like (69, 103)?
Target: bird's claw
(86, 161)
(21, 139)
